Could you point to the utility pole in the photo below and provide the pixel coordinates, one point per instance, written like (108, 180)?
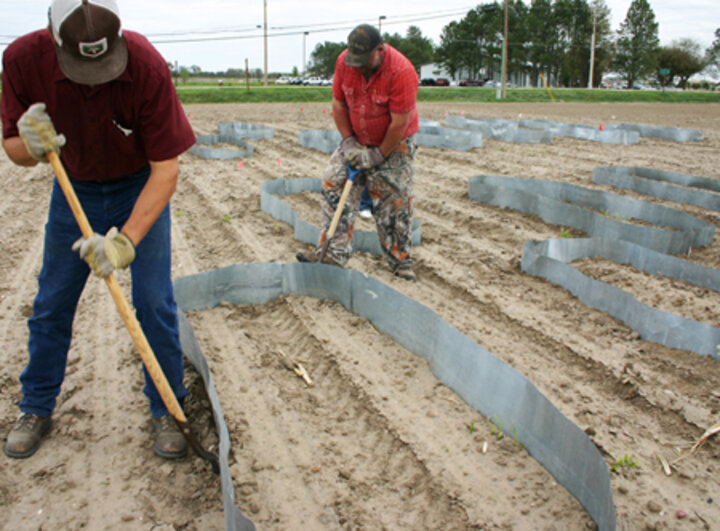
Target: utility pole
(592, 49)
(504, 53)
(265, 39)
(380, 19)
(305, 34)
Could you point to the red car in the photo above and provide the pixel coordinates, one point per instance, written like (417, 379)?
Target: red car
(442, 82)
(470, 83)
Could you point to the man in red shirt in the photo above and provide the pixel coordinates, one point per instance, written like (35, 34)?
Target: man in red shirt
(374, 107)
(110, 95)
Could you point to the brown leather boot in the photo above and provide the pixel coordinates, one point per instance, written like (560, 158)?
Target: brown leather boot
(170, 443)
(24, 439)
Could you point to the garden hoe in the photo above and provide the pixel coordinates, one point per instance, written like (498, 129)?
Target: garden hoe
(352, 173)
(132, 324)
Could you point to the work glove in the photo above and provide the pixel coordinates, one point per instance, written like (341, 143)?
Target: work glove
(106, 253)
(364, 158)
(38, 133)
(348, 144)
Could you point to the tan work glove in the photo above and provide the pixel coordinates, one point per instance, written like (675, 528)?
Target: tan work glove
(38, 133)
(348, 144)
(364, 158)
(105, 254)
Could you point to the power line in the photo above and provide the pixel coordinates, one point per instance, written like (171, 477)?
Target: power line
(320, 29)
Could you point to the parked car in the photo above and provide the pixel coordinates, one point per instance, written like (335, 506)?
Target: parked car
(470, 83)
(327, 82)
(492, 84)
(427, 82)
(442, 82)
(314, 80)
(282, 80)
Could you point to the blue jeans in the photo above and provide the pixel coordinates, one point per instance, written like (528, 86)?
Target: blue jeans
(62, 279)
(365, 200)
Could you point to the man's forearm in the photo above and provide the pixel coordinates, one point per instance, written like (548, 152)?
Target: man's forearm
(395, 133)
(17, 152)
(153, 199)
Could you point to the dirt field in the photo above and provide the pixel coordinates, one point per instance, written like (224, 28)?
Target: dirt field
(377, 443)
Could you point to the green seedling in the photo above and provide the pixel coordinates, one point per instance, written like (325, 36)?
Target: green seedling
(226, 218)
(515, 437)
(497, 429)
(471, 428)
(179, 213)
(625, 461)
(564, 233)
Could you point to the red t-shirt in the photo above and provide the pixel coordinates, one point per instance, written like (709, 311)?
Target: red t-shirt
(391, 89)
(113, 129)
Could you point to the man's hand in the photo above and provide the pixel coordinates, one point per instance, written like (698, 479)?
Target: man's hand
(348, 144)
(106, 253)
(38, 133)
(364, 158)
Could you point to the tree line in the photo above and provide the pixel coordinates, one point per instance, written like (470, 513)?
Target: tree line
(549, 38)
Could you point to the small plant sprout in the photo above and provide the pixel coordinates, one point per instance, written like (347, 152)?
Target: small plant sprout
(471, 428)
(226, 218)
(625, 461)
(179, 213)
(564, 233)
(497, 429)
(515, 437)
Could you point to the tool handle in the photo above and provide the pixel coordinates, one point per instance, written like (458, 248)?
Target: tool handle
(352, 173)
(128, 316)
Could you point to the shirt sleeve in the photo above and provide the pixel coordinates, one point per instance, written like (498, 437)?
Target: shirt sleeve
(338, 76)
(165, 130)
(11, 108)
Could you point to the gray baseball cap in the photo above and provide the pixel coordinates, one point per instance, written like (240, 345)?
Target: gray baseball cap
(361, 42)
(88, 37)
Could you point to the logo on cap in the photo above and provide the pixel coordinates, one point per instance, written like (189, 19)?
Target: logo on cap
(93, 49)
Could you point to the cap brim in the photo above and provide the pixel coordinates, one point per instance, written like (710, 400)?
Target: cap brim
(357, 60)
(94, 71)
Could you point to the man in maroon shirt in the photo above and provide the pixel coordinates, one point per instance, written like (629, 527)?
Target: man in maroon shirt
(374, 107)
(110, 95)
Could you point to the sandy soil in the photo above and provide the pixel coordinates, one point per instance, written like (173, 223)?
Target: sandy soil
(377, 443)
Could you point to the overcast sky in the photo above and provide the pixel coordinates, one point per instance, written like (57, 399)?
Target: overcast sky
(326, 20)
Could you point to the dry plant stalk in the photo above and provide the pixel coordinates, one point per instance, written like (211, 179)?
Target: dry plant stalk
(295, 367)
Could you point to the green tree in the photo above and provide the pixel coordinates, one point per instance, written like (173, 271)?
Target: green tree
(637, 44)
(712, 54)
(323, 58)
(473, 46)
(574, 20)
(544, 40)
(682, 58)
(418, 49)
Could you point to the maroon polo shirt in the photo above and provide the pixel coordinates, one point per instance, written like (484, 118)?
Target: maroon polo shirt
(391, 89)
(113, 129)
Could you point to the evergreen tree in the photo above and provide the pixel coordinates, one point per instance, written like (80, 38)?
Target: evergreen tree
(637, 44)
(323, 58)
(418, 49)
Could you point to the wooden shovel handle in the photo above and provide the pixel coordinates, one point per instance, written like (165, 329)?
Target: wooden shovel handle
(128, 316)
(352, 173)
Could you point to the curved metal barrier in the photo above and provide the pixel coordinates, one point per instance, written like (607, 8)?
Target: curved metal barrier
(486, 383)
(596, 212)
(364, 241)
(199, 149)
(504, 130)
(662, 184)
(549, 259)
(246, 130)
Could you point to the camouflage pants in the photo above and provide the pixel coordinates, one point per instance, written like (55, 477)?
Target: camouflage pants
(391, 189)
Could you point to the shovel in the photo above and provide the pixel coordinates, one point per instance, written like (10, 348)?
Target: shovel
(132, 324)
(352, 173)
